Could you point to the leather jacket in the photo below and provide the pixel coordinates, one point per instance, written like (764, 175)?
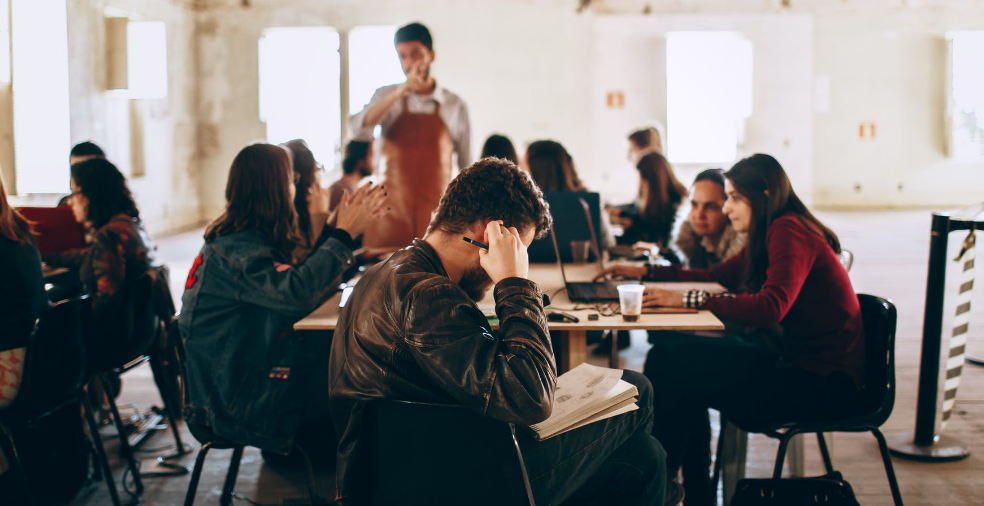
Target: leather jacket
(409, 333)
(249, 373)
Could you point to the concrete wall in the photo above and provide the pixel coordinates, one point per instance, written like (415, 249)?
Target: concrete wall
(520, 65)
(155, 138)
(537, 69)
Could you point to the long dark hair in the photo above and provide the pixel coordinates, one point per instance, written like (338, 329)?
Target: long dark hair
(760, 179)
(660, 192)
(500, 146)
(105, 188)
(258, 198)
(305, 167)
(552, 168)
(13, 226)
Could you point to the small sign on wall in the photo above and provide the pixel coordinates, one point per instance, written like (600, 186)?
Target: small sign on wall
(615, 100)
(866, 130)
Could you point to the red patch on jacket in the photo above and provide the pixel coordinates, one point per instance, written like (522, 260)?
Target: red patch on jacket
(192, 277)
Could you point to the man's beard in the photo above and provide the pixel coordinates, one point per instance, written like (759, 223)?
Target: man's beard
(475, 282)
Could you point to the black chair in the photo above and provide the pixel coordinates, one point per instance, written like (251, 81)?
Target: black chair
(878, 396)
(53, 378)
(132, 335)
(211, 441)
(418, 453)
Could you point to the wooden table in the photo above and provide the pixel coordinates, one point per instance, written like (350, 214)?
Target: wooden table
(573, 342)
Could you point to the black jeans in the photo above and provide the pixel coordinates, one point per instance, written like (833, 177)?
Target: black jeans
(614, 461)
(739, 376)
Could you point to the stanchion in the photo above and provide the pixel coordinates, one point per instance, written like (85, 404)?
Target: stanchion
(927, 445)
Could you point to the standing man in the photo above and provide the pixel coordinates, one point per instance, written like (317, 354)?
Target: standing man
(422, 125)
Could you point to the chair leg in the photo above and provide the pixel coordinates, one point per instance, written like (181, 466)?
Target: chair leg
(230, 481)
(124, 441)
(171, 410)
(100, 450)
(889, 469)
(825, 453)
(9, 448)
(781, 454)
(196, 474)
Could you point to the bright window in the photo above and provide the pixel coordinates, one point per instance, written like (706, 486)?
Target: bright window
(372, 63)
(299, 88)
(39, 39)
(146, 59)
(966, 95)
(708, 96)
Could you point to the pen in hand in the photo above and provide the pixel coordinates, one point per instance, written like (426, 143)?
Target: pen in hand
(476, 243)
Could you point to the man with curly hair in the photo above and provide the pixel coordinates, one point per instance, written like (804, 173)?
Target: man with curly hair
(412, 331)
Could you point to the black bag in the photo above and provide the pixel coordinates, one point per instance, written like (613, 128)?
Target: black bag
(830, 490)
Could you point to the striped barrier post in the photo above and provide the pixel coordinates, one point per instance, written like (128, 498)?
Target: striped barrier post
(927, 445)
(961, 323)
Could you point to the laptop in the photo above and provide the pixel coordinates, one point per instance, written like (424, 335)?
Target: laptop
(565, 209)
(55, 228)
(586, 291)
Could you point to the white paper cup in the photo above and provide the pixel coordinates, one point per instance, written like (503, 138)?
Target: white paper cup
(630, 301)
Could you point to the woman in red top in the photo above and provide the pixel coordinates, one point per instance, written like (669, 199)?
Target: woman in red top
(794, 344)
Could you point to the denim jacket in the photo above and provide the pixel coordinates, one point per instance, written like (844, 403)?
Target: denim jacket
(248, 372)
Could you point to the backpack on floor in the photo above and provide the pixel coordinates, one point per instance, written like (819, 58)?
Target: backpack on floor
(828, 490)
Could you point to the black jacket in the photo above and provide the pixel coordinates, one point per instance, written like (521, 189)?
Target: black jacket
(409, 333)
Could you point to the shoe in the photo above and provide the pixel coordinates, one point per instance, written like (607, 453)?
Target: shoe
(604, 347)
(674, 494)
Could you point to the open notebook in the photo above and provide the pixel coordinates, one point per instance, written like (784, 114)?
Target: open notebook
(586, 394)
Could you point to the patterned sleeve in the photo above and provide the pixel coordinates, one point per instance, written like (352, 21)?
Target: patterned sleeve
(108, 267)
(73, 259)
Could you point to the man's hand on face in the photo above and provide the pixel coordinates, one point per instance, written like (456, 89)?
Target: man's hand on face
(506, 256)
(416, 80)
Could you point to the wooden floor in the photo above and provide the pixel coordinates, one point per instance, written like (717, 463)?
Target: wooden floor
(890, 249)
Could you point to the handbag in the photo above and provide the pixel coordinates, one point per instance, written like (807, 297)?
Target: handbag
(829, 490)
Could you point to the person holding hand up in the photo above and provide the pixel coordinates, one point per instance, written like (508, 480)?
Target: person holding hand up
(251, 379)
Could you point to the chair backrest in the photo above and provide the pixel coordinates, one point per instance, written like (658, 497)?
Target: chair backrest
(138, 322)
(55, 361)
(879, 317)
(847, 259)
(417, 453)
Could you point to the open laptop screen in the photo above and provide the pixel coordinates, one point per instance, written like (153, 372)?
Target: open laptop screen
(569, 224)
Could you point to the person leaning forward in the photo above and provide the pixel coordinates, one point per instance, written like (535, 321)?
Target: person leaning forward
(412, 331)
(422, 124)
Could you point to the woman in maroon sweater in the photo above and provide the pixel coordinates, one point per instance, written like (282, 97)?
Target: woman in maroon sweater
(794, 344)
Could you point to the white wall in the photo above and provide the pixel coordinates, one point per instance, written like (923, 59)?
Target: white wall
(629, 54)
(157, 136)
(521, 66)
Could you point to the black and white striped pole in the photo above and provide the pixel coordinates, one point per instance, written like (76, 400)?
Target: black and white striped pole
(927, 444)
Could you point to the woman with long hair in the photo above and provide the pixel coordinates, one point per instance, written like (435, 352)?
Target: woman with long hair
(119, 249)
(251, 379)
(794, 348)
(660, 195)
(308, 203)
(552, 167)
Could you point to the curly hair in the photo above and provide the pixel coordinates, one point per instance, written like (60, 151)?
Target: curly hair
(105, 188)
(492, 189)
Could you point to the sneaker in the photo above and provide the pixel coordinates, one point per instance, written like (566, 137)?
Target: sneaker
(674, 494)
